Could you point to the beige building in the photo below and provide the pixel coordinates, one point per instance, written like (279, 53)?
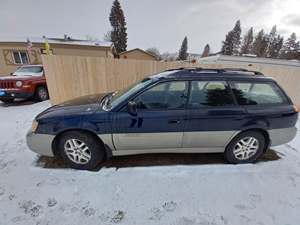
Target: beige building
(137, 53)
(15, 53)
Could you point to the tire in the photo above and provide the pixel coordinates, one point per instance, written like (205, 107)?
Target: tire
(86, 157)
(236, 151)
(8, 101)
(41, 94)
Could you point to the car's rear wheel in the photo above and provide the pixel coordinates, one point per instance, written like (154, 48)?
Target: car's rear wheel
(41, 94)
(246, 147)
(80, 150)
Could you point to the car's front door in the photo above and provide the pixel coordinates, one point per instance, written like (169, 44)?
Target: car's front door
(159, 120)
(213, 117)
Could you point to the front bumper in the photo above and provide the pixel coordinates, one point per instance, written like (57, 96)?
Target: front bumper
(40, 143)
(282, 136)
(11, 94)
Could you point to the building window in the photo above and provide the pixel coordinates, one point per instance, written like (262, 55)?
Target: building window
(20, 57)
(44, 52)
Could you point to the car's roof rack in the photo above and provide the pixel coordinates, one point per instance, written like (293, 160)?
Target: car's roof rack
(243, 70)
(217, 70)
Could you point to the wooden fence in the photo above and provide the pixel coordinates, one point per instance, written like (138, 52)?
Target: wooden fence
(73, 76)
(69, 77)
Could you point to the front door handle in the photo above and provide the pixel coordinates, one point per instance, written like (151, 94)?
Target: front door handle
(174, 121)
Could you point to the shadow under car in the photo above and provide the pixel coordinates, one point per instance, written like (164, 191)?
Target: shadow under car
(146, 160)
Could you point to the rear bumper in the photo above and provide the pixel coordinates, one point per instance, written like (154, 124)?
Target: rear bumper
(11, 94)
(282, 136)
(40, 143)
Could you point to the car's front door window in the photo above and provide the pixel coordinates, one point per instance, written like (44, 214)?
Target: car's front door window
(164, 96)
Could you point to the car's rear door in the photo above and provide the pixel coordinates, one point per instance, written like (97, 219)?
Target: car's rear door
(267, 107)
(213, 116)
(159, 120)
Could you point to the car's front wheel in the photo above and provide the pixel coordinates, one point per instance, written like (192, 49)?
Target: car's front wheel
(80, 150)
(41, 94)
(246, 147)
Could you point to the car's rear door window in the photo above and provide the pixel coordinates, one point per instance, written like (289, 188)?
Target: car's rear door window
(251, 93)
(209, 94)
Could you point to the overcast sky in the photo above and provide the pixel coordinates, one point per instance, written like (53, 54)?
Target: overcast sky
(159, 23)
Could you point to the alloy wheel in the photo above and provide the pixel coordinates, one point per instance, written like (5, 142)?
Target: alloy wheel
(77, 151)
(43, 94)
(245, 148)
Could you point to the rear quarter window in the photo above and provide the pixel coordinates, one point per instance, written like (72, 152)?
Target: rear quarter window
(258, 93)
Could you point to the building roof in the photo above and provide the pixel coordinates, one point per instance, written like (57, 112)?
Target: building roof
(248, 60)
(138, 49)
(64, 41)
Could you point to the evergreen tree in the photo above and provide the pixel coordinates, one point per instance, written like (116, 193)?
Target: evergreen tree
(290, 48)
(260, 44)
(183, 54)
(227, 48)
(232, 42)
(275, 43)
(247, 42)
(277, 47)
(206, 51)
(119, 31)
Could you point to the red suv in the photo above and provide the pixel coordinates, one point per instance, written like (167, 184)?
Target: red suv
(26, 82)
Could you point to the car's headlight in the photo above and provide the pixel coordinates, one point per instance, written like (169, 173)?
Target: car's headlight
(19, 83)
(34, 125)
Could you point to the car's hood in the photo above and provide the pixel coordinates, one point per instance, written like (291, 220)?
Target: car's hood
(78, 106)
(19, 78)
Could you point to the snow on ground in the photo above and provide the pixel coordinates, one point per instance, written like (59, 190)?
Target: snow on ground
(156, 189)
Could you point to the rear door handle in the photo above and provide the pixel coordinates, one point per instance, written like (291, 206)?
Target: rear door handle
(174, 121)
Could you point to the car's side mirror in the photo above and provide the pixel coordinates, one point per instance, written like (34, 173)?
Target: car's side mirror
(132, 108)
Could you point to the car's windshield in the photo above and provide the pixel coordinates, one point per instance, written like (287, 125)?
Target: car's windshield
(119, 96)
(29, 71)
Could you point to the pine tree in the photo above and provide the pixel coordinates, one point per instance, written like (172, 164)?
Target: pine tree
(227, 48)
(277, 47)
(119, 30)
(275, 43)
(290, 48)
(183, 54)
(247, 42)
(206, 51)
(260, 44)
(232, 42)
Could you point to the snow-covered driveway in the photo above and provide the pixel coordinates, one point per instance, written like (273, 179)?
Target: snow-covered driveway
(174, 189)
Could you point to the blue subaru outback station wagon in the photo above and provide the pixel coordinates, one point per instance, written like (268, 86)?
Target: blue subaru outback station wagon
(233, 111)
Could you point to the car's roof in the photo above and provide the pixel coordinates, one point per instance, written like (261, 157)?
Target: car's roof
(33, 65)
(226, 73)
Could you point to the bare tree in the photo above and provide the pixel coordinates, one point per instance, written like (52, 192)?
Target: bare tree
(107, 36)
(154, 51)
